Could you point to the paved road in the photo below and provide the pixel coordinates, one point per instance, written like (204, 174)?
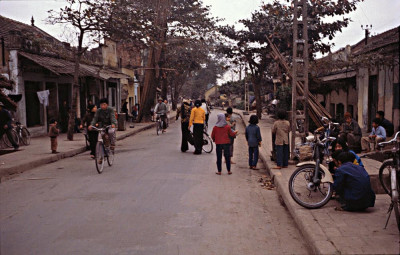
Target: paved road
(154, 200)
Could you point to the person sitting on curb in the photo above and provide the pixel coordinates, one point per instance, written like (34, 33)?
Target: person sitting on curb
(281, 130)
(352, 184)
(351, 132)
(377, 135)
(387, 125)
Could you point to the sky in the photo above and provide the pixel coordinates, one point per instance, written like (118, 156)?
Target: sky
(381, 14)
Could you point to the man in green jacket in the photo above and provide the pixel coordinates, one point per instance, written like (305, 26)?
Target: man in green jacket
(105, 116)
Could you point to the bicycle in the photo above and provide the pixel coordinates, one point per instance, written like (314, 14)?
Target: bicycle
(207, 143)
(103, 149)
(159, 124)
(389, 176)
(310, 185)
(23, 133)
(14, 135)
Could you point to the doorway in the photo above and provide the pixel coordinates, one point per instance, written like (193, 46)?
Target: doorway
(372, 99)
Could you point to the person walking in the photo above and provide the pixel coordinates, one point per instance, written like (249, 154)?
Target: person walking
(184, 113)
(5, 125)
(206, 110)
(221, 134)
(232, 122)
(197, 118)
(281, 130)
(253, 138)
(53, 133)
(92, 134)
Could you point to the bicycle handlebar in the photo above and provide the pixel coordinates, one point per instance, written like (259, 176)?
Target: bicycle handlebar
(391, 141)
(101, 129)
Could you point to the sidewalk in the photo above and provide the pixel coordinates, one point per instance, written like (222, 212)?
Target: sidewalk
(328, 231)
(38, 153)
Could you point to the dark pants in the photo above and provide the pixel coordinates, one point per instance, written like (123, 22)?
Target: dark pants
(231, 147)
(185, 136)
(207, 116)
(54, 144)
(164, 120)
(282, 155)
(198, 137)
(92, 136)
(9, 136)
(253, 156)
(226, 149)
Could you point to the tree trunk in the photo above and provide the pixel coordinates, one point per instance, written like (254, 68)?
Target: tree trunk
(257, 94)
(75, 90)
(146, 97)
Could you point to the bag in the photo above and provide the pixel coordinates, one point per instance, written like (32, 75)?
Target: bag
(305, 153)
(190, 138)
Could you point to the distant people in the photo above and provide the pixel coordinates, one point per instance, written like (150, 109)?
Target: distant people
(232, 122)
(64, 116)
(92, 134)
(184, 113)
(340, 144)
(168, 111)
(377, 135)
(135, 111)
(351, 133)
(5, 125)
(53, 133)
(197, 119)
(281, 130)
(160, 110)
(387, 125)
(352, 184)
(221, 135)
(124, 109)
(253, 138)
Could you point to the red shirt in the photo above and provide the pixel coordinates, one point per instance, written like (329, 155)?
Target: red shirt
(220, 135)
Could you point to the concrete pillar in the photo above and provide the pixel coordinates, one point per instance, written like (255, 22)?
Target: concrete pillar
(362, 87)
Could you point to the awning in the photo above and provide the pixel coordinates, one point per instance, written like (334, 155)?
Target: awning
(110, 74)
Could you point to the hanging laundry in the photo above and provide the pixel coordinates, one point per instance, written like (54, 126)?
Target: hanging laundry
(44, 97)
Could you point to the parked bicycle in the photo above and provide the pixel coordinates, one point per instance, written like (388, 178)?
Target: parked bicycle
(103, 149)
(310, 185)
(20, 134)
(389, 176)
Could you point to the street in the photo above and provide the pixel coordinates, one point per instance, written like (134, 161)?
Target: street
(153, 200)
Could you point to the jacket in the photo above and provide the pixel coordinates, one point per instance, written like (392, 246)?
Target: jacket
(353, 128)
(221, 135)
(104, 117)
(379, 132)
(253, 135)
(161, 108)
(184, 114)
(281, 129)
(53, 131)
(353, 184)
(388, 126)
(197, 116)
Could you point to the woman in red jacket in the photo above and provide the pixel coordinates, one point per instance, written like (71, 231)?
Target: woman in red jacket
(221, 134)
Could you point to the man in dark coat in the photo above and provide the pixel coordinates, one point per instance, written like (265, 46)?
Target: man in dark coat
(351, 133)
(387, 125)
(5, 125)
(352, 184)
(184, 113)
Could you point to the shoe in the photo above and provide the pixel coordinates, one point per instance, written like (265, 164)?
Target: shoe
(255, 168)
(285, 167)
(55, 152)
(218, 173)
(250, 167)
(16, 147)
(277, 167)
(229, 172)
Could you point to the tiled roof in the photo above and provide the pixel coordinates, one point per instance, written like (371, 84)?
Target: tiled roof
(375, 42)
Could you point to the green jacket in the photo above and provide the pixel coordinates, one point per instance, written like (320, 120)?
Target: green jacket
(104, 117)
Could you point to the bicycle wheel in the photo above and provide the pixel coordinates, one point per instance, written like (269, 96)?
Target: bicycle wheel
(396, 199)
(207, 143)
(158, 127)
(384, 175)
(110, 156)
(25, 136)
(14, 135)
(304, 192)
(99, 157)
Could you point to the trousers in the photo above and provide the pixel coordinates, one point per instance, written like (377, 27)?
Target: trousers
(54, 144)
(282, 155)
(226, 149)
(253, 156)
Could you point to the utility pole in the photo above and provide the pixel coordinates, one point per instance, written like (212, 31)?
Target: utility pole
(246, 92)
(300, 69)
(367, 32)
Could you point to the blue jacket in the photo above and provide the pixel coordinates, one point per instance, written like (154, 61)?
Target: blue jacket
(353, 185)
(253, 135)
(379, 132)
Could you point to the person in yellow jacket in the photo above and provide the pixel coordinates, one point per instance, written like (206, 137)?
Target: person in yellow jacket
(197, 118)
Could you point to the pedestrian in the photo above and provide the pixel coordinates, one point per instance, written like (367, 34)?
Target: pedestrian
(135, 111)
(377, 135)
(184, 113)
(281, 130)
(5, 125)
(232, 122)
(92, 134)
(124, 109)
(352, 184)
(168, 111)
(53, 133)
(386, 124)
(351, 133)
(206, 109)
(197, 118)
(253, 138)
(221, 134)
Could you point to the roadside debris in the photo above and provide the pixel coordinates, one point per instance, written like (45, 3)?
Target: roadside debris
(266, 183)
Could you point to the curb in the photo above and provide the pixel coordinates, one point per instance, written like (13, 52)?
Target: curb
(314, 235)
(8, 172)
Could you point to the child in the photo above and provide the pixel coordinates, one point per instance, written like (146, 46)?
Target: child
(377, 135)
(221, 134)
(281, 129)
(53, 133)
(253, 137)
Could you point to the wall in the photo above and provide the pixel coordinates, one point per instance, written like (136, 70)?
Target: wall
(109, 52)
